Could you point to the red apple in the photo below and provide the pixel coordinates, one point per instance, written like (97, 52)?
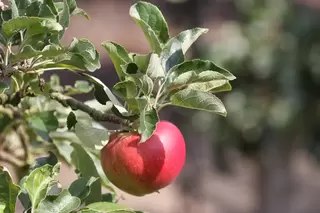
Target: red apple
(144, 168)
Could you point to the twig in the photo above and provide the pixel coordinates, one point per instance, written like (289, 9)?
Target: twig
(95, 114)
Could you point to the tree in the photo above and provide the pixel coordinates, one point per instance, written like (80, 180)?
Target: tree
(42, 125)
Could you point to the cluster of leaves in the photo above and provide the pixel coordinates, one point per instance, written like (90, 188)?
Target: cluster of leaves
(38, 116)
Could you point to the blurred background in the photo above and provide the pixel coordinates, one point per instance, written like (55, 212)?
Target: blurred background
(264, 157)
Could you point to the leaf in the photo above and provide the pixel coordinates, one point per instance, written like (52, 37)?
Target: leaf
(8, 192)
(62, 203)
(44, 121)
(225, 87)
(14, 9)
(41, 161)
(176, 47)
(203, 81)
(28, 52)
(103, 94)
(106, 207)
(3, 87)
(91, 137)
(80, 87)
(118, 55)
(148, 120)
(142, 61)
(152, 23)
(85, 164)
(35, 25)
(195, 99)
(84, 55)
(71, 120)
(199, 66)
(155, 70)
(125, 89)
(187, 38)
(172, 55)
(81, 187)
(64, 15)
(211, 86)
(39, 182)
(143, 81)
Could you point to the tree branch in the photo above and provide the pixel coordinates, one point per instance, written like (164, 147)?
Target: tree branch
(11, 159)
(95, 114)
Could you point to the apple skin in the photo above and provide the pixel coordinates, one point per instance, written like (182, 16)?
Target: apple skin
(144, 168)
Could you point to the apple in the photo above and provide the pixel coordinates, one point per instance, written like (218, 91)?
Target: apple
(144, 168)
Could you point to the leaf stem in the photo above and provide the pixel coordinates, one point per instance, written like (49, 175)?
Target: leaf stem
(95, 114)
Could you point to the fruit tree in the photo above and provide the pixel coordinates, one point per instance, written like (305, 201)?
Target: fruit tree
(42, 125)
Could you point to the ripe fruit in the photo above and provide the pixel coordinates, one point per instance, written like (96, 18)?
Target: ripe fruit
(144, 168)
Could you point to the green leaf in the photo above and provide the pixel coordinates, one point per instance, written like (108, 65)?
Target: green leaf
(81, 187)
(103, 94)
(211, 86)
(225, 87)
(85, 164)
(84, 55)
(8, 192)
(34, 25)
(14, 9)
(187, 38)
(28, 52)
(142, 61)
(118, 55)
(125, 89)
(39, 182)
(152, 23)
(155, 70)
(106, 207)
(203, 81)
(195, 99)
(143, 81)
(80, 87)
(62, 203)
(45, 121)
(91, 137)
(64, 146)
(3, 87)
(198, 66)
(172, 55)
(64, 15)
(71, 120)
(148, 119)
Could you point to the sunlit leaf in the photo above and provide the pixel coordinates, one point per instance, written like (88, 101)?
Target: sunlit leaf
(39, 182)
(106, 207)
(118, 55)
(199, 66)
(152, 23)
(195, 99)
(148, 119)
(61, 203)
(91, 137)
(8, 192)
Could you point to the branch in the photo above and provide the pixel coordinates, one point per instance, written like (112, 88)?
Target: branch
(11, 159)
(95, 114)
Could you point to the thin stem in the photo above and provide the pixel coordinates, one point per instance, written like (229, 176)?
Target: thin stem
(159, 91)
(6, 56)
